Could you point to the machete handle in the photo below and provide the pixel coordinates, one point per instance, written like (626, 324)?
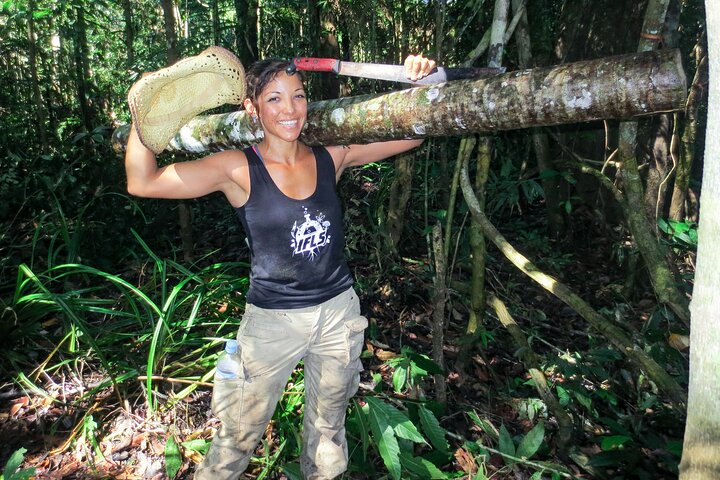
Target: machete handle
(310, 64)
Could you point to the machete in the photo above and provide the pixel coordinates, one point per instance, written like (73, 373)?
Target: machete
(392, 73)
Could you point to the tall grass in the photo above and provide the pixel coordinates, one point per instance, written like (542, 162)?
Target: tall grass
(165, 322)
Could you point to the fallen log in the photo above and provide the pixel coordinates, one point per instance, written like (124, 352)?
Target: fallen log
(619, 87)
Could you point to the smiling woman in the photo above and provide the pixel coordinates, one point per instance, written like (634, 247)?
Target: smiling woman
(301, 304)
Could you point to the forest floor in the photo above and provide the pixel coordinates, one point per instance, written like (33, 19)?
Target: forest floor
(121, 440)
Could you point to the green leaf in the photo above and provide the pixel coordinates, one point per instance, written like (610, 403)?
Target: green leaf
(563, 396)
(199, 445)
(614, 441)
(173, 458)
(402, 425)
(532, 441)
(433, 430)
(421, 467)
(24, 474)
(481, 475)
(425, 363)
(384, 436)
(14, 462)
(505, 443)
(399, 379)
(486, 426)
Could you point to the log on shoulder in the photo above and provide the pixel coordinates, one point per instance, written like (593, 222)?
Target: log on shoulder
(617, 87)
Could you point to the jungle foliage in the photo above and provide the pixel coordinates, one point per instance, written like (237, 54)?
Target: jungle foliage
(110, 321)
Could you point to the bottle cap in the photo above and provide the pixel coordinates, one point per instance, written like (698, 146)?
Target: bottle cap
(231, 346)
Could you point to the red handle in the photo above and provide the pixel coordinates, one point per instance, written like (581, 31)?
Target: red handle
(317, 64)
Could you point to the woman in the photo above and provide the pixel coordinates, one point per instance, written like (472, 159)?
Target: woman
(301, 304)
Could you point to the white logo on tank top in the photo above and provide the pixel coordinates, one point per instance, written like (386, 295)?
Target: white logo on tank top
(308, 237)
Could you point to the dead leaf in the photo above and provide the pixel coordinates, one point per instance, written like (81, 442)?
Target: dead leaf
(679, 342)
(18, 404)
(385, 355)
(466, 461)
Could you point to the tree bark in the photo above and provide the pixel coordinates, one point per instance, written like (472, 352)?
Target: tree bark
(80, 52)
(678, 207)
(701, 447)
(400, 193)
(40, 116)
(439, 303)
(168, 8)
(614, 87)
(550, 183)
(246, 31)
(173, 55)
(129, 34)
(640, 226)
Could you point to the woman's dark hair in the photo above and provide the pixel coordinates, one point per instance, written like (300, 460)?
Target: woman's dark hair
(263, 72)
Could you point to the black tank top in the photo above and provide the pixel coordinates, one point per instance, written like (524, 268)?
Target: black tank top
(296, 246)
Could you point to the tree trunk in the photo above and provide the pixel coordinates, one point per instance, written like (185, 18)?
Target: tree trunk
(640, 226)
(129, 34)
(215, 22)
(80, 52)
(477, 239)
(168, 8)
(550, 183)
(615, 87)
(701, 448)
(400, 192)
(484, 156)
(325, 45)
(40, 116)
(184, 215)
(678, 207)
(439, 296)
(246, 31)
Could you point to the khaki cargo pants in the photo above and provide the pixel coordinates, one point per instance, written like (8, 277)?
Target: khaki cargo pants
(329, 337)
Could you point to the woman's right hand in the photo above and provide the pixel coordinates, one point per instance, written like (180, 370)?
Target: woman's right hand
(418, 66)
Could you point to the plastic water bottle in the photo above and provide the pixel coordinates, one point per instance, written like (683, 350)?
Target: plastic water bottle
(228, 364)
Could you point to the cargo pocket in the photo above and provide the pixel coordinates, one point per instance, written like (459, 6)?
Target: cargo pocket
(227, 402)
(354, 337)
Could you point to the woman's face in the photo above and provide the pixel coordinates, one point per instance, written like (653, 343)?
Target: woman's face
(282, 107)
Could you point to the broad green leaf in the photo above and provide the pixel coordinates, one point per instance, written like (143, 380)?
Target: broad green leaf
(384, 436)
(425, 363)
(173, 458)
(421, 467)
(563, 396)
(24, 474)
(674, 447)
(361, 420)
(292, 470)
(532, 441)
(14, 462)
(399, 379)
(403, 427)
(199, 445)
(505, 443)
(614, 441)
(433, 430)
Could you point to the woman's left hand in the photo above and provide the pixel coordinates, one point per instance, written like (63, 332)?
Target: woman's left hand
(417, 67)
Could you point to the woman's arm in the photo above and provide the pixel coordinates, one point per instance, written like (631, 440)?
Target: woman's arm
(223, 171)
(416, 67)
